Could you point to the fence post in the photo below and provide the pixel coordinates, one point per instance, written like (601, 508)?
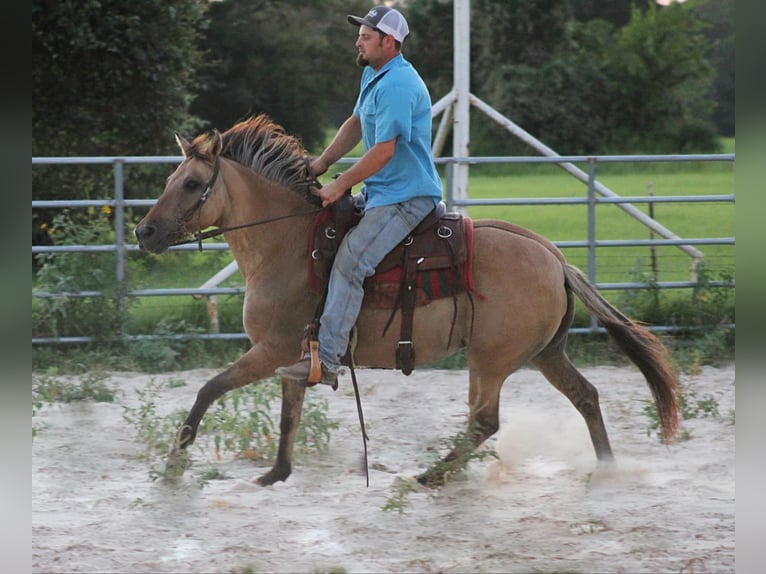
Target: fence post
(592, 230)
(119, 238)
(449, 196)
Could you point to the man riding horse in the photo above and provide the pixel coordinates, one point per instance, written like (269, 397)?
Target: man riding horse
(392, 117)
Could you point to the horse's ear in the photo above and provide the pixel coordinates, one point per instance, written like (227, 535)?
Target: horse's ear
(216, 143)
(183, 144)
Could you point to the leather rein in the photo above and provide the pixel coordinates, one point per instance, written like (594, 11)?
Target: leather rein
(199, 235)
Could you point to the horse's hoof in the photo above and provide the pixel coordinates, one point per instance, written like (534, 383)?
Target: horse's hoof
(274, 475)
(432, 479)
(177, 462)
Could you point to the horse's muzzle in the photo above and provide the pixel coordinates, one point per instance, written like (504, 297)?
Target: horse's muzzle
(149, 239)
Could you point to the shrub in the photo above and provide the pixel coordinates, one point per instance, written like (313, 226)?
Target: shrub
(67, 314)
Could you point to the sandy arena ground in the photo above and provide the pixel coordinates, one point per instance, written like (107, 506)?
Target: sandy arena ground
(543, 507)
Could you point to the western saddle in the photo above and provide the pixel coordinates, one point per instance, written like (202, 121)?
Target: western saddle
(440, 243)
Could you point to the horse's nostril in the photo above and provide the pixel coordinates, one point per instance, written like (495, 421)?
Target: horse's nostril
(144, 231)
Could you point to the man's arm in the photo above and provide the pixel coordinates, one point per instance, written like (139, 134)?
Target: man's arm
(371, 162)
(348, 135)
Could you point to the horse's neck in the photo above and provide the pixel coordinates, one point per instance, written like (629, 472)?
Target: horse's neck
(269, 245)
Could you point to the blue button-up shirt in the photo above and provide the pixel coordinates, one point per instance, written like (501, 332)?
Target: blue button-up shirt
(394, 103)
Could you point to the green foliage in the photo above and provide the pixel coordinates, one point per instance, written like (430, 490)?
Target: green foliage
(616, 12)
(710, 304)
(657, 72)
(291, 60)
(590, 87)
(689, 406)
(167, 353)
(67, 273)
(719, 33)
(242, 423)
(91, 386)
(103, 68)
(526, 32)
(399, 500)
(109, 78)
(155, 431)
(441, 471)
(48, 388)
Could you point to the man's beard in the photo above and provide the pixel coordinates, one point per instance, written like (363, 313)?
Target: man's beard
(361, 61)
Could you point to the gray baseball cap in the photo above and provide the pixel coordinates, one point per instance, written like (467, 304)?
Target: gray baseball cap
(387, 20)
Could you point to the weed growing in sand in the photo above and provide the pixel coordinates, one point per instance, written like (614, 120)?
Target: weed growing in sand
(49, 389)
(398, 501)
(243, 423)
(441, 471)
(90, 386)
(154, 430)
(690, 408)
(211, 473)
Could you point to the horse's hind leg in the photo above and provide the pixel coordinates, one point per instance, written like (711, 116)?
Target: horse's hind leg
(562, 374)
(292, 407)
(483, 422)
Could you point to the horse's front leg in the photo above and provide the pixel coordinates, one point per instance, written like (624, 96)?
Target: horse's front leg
(292, 407)
(250, 368)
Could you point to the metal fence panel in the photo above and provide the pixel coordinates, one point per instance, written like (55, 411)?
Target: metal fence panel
(121, 247)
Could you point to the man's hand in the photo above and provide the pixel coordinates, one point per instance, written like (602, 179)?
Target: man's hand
(331, 192)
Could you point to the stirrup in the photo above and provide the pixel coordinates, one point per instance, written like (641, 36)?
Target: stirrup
(315, 372)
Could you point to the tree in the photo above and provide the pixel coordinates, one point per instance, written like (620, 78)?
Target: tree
(111, 77)
(108, 78)
(616, 12)
(658, 77)
(291, 60)
(526, 32)
(429, 45)
(718, 16)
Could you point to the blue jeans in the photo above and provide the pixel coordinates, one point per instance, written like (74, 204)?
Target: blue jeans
(379, 231)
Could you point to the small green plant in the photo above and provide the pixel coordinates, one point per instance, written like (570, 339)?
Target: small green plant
(211, 473)
(399, 500)
(242, 423)
(690, 408)
(69, 273)
(36, 406)
(155, 431)
(440, 471)
(91, 386)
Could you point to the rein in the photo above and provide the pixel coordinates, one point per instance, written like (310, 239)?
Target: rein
(199, 236)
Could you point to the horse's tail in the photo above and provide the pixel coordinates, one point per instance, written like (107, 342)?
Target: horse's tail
(639, 344)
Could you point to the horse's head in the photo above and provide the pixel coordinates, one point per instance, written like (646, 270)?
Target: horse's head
(188, 203)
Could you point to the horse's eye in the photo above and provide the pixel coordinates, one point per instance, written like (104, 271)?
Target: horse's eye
(191, 184)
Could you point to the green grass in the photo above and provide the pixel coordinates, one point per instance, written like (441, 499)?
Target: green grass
(569, 222)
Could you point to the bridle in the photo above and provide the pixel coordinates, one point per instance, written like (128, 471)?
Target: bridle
(199, 235)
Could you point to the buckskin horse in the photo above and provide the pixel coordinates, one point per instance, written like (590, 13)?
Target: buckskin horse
(522, 306)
